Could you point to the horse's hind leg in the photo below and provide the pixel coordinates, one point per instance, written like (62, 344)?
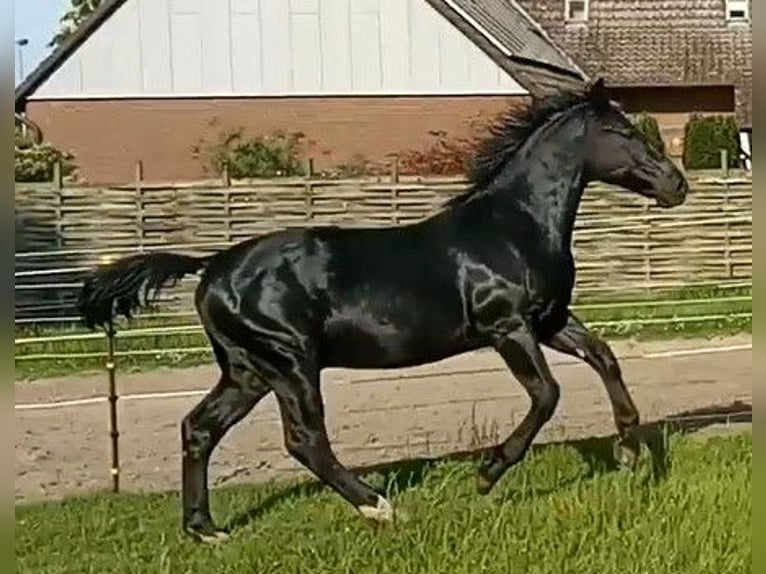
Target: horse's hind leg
(303, 419)
(575, 339)
(235, 395)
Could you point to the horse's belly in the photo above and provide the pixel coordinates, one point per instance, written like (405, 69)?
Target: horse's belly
(383, 345)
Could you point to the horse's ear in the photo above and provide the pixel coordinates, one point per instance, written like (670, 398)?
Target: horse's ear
(599, 95)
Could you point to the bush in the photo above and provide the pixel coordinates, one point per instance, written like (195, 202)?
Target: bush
(443, 157)
(648, 126)
(704, 137)
(276, 155)
(358, 165)
(34, 162)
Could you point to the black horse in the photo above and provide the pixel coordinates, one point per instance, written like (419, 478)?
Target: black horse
(492, 269)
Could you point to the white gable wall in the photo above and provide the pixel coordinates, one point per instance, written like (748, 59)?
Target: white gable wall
(176, 48)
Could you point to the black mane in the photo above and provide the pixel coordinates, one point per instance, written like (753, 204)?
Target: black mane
(507, 135)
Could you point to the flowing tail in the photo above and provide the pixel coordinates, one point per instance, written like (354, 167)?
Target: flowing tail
(125, 285)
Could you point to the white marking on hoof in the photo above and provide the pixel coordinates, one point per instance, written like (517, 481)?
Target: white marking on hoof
(213, 538)
(383, 512)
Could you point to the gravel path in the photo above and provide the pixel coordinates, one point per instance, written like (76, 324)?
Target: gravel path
(373, 416)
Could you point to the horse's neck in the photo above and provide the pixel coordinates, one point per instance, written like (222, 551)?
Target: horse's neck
(545, 183)
(554, 207)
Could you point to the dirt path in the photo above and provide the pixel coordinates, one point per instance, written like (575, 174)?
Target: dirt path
(373, 416)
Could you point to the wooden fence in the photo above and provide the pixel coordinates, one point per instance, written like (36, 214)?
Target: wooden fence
(621, 241)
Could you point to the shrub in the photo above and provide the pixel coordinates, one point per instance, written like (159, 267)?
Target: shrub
(704, 137)
(358, 165)
(648, 126)
(442, 157)
(34, 162)
(275, 155)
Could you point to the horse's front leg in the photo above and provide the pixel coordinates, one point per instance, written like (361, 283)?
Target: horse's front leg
(575, 339)
(521, 352)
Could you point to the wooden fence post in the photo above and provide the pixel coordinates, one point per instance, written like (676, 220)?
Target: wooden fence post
(226, 174)
(725, 163)
(226, 177)
(729, 266)
(58, 189)
(58, 185)
(139, 179)
(113, 428)
(727, 227)
(395, 191)
(309, 190)
(647, 248)
(395, 169)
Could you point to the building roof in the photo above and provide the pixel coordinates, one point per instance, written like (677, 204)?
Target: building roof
(507, 21)
(515, 42)
(501, 28)
(651, 43)
(59, 55)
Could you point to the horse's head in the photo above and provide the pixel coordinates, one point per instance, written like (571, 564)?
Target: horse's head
(617, 153)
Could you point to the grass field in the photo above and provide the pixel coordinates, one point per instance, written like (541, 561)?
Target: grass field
(563, 510)
(665, 315)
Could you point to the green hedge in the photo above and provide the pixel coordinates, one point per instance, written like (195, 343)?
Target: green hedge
(34, 161)
(274, 155)
(705, 137)
(648, 126)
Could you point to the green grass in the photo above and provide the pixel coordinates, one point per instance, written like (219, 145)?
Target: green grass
(560, 511)
(690, 303)
(687, 305)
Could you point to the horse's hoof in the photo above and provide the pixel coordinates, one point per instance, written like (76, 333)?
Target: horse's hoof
(206, 534)
(214, 538)
(626, 455)
(382, 512)
(483, 484)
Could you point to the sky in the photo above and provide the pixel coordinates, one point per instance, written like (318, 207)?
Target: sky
(37, 21)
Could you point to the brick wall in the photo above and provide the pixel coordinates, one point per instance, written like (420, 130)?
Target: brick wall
(108, 136)
(648, 42)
